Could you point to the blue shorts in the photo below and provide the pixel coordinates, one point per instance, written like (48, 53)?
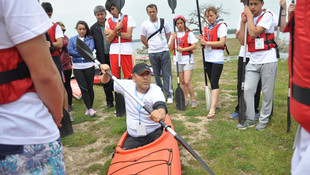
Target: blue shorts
(36, 159)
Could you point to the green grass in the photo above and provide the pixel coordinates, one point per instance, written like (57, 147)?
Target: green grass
(225, 149)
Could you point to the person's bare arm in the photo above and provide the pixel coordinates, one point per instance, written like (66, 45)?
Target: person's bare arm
(144, 41)
(58, 43)
(44, 74)
(219, 43)
(128, 34)
(168, 36)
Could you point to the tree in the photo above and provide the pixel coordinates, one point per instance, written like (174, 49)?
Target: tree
(193, 20)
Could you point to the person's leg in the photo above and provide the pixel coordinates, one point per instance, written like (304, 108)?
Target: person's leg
(48, 160)
(188, 72)
(127, 65)
(67, 74)
(156, 66)
(81, 80)
(215, 77)
(108, 92)
(90, 73)
(166, 71)
(114, 64)
(257, 96)
(252, 76)
(268, 77)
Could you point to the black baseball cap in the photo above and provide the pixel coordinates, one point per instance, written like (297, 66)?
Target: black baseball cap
(141, 68)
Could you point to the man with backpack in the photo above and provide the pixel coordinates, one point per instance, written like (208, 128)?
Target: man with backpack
(155, 34)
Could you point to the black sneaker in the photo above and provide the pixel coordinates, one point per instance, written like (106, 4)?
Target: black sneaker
(109, 105)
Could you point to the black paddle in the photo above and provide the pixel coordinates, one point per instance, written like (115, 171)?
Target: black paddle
(289, 89)
(207, 90)
(279, 24)
(66, 125)
(241, 102)
(179, 94)
(83, 50)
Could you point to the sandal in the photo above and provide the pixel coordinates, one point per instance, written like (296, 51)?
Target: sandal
(211, 115)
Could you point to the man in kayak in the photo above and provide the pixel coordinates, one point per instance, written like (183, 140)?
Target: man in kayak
(142, 127)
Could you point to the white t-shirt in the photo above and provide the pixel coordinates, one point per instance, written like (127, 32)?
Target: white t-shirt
(58, 32)
(268, 56)
(216, 55)
(185, 59)
(241, 52)
(26, 120)
(156, 44)
(126, 48)
(153, 95)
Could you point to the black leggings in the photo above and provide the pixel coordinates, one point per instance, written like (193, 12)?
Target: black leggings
(67, 74)
(85, 79)
(214, 71)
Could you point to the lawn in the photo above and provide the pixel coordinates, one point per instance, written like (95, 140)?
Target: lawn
(224, 148)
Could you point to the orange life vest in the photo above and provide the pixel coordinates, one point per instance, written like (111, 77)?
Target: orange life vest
(299, 64)
(15, 77)
(52, 33)
(213, 35)
(269, 38)
(123, 29)
(183, 43)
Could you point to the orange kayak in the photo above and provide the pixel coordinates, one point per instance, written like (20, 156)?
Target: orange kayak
(160, 157)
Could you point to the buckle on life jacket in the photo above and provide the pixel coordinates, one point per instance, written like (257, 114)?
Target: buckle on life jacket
(19, 73)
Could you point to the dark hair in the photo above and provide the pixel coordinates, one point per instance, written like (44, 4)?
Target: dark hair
(151, 6)
(47, 7)
(86, 27)
(109, 4)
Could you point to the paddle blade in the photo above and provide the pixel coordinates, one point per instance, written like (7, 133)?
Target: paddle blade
(172, 4)
(83, 50)
(208, 98)
(179, 99)
(241, 117)
(66, 128)
(120, 105)
(118, 3)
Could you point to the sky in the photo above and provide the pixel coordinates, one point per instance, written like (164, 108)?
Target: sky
(71, 11)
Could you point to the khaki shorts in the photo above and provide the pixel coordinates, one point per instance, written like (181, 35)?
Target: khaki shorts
(184, 67)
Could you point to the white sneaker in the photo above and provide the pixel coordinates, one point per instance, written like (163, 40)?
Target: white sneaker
(169, 100)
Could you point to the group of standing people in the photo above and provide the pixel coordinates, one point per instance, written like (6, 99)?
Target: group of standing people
(34, 132)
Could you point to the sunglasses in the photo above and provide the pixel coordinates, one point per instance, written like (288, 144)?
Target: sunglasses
(63, 30)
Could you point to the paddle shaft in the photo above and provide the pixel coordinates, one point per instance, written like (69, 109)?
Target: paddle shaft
(202, 48)
(279, 24)
(167, 127)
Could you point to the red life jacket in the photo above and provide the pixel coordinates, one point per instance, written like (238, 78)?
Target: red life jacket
(299, 64)
(269, 38)
(13, 89)
(213, 35)
(183, 43)
(123, 29)
(52, 33)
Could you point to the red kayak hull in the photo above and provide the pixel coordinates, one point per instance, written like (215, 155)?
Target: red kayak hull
(160, 157)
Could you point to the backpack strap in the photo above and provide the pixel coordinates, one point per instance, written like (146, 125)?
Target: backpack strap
(162, 22)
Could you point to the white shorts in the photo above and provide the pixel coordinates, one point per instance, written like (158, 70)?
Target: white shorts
(184, 67)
